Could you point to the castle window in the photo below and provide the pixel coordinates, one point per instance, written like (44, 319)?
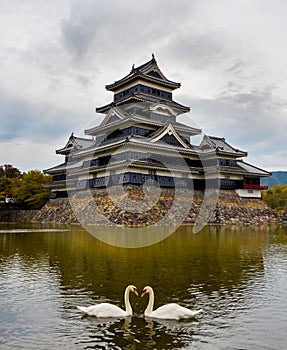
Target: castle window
(142, 88)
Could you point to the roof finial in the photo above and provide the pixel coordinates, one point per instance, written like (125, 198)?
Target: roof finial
(152, 55)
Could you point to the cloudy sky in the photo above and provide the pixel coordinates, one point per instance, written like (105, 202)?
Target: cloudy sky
(58, 55)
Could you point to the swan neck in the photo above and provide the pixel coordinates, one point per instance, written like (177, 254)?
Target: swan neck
(150, 304)
(128, 307)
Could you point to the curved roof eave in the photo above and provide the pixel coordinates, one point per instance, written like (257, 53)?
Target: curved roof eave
(142, 72)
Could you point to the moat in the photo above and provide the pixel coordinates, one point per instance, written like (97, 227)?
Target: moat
(237, 275)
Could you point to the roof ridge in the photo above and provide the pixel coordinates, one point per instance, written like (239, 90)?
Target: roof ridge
(140, 71)
(215, 137)
(152, 60)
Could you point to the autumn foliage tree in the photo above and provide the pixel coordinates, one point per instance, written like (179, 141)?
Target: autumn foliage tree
(9, 179)
(276, 197)
(24, 190)
(9, 172)
(30, 191)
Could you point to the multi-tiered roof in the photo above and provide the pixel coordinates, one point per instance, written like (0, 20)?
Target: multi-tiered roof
(140, 138)
(145, 83)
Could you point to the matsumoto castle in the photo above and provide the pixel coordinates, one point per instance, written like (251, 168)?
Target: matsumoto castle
(140, 139)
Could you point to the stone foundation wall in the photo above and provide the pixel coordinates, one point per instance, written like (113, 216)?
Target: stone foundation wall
(233, 209)
(17, 215)
(122, 208)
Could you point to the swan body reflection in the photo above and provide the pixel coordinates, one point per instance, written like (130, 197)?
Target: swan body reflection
(110, 310)
(170, 311)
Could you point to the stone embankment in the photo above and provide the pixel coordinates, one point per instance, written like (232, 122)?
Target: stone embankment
(135, 206)
(283, 219)
(17, 215)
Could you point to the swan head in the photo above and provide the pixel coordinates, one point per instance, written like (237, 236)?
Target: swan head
(133, 289)
(146, 290)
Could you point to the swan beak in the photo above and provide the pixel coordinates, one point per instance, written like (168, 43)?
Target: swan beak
(143, 293)
(136, 292)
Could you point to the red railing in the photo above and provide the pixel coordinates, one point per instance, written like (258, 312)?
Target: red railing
(255, 187)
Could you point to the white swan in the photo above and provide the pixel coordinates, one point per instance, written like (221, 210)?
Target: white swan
(170, 311)
(111, 310)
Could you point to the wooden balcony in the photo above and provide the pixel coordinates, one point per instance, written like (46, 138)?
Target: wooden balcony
(255, 187)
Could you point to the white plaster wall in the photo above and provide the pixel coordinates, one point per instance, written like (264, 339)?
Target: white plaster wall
(249, 193)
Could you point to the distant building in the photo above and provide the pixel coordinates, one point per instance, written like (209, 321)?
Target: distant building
(140, 139)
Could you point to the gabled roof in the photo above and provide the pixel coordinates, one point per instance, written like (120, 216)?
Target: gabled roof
(114, 115)
(220, 146)
(159, 107)
(62, 168)
(140, 120)
(167, 129)
(142, 97)
(253, 170)
(75, 143)
(147, 71)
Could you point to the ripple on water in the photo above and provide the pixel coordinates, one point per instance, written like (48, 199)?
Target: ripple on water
(239, 284)
(35, 230)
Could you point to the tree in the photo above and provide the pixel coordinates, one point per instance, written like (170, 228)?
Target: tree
(9, 171)
(5, 188)
(9, 179)
(30, 191)
(276, 197)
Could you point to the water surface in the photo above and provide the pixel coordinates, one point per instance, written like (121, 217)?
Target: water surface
(238, 276)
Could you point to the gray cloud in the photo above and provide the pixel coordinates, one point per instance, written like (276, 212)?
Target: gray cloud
(57, 59)
(118, 28)
(254, 121)
(195, 50)
(21, 119)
